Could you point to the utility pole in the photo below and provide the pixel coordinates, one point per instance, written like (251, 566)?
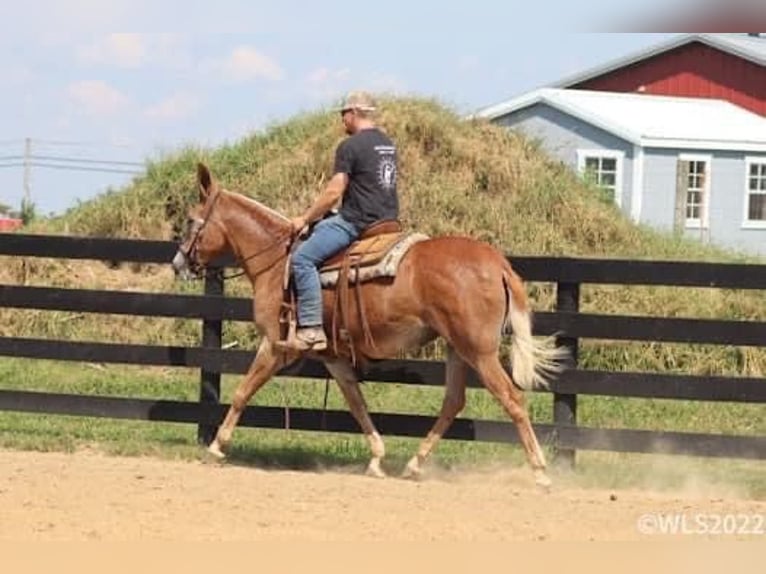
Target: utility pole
(27, 154)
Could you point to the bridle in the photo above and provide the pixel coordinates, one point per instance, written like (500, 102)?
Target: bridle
(190, 252)
(200, 224)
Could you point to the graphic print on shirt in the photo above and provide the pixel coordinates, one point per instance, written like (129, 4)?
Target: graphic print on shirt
(386, 167)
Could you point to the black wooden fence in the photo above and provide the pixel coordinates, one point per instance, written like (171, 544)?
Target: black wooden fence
(568, 274)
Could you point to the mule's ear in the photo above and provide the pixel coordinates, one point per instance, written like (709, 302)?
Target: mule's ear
(205, 181)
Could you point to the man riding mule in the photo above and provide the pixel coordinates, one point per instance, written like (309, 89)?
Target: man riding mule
(457, 288)
(365, 178)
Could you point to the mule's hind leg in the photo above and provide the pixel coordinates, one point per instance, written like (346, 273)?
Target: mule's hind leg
(497, 381)
(265, 364)
(454, 401)
(349, 385)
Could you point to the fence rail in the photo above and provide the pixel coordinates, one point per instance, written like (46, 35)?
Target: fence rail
(567, 322)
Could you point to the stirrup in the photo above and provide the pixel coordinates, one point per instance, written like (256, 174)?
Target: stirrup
(296, 343)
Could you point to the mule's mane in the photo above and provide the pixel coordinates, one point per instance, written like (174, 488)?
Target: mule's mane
(251, 204)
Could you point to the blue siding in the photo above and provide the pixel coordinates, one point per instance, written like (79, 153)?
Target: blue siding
(561, 135)
(659, 196)
(727, 198)
(726, 202)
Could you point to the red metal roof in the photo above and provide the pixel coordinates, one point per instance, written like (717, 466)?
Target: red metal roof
(689, 70)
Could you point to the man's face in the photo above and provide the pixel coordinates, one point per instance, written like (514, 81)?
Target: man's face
(348, 116)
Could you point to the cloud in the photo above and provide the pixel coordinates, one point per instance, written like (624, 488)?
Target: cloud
(176, 107)
(329, 85)
(170, 50)
(63, 20)
(121, 50)
(137, 51)
(246, 64)
(97, 98)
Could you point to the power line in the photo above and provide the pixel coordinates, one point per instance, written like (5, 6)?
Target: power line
(71, 160)
(81, 143)
(69, 167)
(86, 160)
(66, 161)
(68, 143)
(73, 163)
(84, 168)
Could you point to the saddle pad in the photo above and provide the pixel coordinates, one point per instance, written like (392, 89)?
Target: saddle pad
(365, 251)
(382, 258)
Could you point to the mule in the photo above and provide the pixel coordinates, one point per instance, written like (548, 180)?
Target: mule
(453, 287)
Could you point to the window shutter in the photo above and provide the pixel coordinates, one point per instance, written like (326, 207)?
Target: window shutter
(682, 180)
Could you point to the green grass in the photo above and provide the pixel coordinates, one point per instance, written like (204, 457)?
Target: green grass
(287, 448)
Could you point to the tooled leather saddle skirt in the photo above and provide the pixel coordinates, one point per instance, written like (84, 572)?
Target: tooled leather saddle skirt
(376, 253)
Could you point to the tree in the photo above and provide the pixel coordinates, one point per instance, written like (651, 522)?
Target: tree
(28, 211)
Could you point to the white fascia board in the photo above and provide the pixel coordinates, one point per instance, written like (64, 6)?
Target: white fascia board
(703, 144)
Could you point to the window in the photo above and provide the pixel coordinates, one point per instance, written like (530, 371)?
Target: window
(692, 191)
(604, 169)
(755, 199)
(695, 190)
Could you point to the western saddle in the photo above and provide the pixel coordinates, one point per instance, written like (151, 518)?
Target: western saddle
(376, 253)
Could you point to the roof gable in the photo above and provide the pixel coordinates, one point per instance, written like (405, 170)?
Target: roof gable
(740, 45)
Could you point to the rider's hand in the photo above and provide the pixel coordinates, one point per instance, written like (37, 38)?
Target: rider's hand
(299, 224)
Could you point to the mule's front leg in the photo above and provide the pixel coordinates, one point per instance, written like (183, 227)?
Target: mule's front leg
(349, 385)
(265, 364)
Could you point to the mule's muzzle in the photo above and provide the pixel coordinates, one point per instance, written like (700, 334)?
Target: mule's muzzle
(185, 268)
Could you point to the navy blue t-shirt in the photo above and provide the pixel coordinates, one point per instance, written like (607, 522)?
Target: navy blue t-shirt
(369, 159)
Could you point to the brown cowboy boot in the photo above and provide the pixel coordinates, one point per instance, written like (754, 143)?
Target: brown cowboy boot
(305, 339)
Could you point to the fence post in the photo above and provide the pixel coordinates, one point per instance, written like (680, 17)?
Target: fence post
(210, 381)
(565, 405)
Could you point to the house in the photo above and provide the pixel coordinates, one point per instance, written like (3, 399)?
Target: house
(697, 166)
(722, 66)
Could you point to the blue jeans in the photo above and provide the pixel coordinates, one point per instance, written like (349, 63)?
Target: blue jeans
(328, 238)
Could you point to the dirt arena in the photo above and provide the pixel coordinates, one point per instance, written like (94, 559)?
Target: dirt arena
(89, 496)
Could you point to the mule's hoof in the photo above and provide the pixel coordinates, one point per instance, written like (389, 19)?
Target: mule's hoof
(542, 481)
(412, 471)
(215, 451)
(374, 470)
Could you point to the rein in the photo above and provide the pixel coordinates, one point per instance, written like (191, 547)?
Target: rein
(269, 247)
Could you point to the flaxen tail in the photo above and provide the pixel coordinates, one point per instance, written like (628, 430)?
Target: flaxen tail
(533, 360)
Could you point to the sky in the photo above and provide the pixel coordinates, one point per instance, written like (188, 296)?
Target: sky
(78, 91)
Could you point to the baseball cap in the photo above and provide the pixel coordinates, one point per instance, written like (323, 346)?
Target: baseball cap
(358, 100)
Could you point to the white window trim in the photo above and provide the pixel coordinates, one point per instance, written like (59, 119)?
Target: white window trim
(637, 186)
(617, 155)
(747, 223)
(704, 221)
